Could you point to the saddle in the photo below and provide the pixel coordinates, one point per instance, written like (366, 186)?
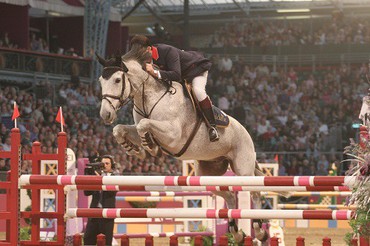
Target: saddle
(222, 119)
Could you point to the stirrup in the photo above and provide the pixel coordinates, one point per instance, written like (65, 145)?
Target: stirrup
(213, 134)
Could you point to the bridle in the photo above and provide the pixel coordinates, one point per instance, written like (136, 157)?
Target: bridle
(109, 97)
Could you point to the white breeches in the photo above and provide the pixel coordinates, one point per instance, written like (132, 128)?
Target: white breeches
(199, 86)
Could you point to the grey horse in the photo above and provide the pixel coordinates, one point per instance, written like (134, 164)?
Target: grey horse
(166, 121)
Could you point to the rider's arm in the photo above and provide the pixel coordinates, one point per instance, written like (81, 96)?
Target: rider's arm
(173, 66)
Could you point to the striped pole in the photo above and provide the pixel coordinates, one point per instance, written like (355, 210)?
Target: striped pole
(150, 199)
(182, 213)
(203, 188)
(314, 206)
(163, 193)
(190, 180)
(166, 234)
(311, 193)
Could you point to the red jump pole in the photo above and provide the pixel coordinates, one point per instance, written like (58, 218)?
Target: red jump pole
(8, 206)
(248, 241)
(354, 242)
(300, 241)
(77, 239)
(224, 241)
(198, 241)
(274, 241)
(174, 240)
(12, 226)
(125, 241)
(60, 196)
(35, 193)
(100, 240)
(364, 241)
(149, 240)
(326, 241)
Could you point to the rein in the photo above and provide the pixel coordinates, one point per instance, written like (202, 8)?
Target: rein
(143, 112)
(186, 145)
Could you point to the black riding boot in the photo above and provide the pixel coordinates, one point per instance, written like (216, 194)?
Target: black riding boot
(206, 107)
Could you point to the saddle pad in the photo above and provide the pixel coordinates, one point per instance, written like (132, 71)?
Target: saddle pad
(222, 120)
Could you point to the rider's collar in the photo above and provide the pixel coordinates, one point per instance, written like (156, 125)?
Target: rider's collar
(155, 54)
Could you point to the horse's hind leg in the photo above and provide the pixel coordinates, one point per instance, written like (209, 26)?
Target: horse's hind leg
(218, 168)
(245, 165)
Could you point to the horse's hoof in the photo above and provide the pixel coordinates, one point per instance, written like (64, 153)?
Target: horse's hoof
(233, 226)
(241, 243)
(147, 140)
(262, 235)
(259, 233)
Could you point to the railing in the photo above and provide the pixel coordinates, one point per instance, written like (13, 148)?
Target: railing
(298, 55)
(35, 66)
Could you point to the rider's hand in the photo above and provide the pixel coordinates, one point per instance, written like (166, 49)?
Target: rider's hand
(150, 70)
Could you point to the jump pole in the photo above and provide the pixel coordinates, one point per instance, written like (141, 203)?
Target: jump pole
(312, 193)
(168, 189)
(151, 199)
(209, 213)
(166, 234)
(11, 215)
(315, 206)
(190, 180)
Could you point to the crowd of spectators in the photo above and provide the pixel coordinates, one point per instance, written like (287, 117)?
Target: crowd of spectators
(304, 116)
(37, 43)
(301, 118)
(301, 112)
(263, 33)
(6, 42)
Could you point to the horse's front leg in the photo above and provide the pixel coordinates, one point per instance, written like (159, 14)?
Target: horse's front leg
(127, 136)
(163, 131)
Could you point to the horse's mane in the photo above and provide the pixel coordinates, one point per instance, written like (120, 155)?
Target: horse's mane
(139, 54)
(142, 56)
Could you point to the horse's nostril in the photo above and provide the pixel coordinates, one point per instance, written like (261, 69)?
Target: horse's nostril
(108, 115)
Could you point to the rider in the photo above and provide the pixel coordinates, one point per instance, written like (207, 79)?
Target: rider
(178, 65)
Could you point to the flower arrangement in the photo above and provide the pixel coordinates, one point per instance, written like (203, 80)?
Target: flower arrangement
(360, 168)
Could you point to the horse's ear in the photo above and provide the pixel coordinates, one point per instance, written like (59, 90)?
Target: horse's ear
(118, 57)
(124, 67)
(101, 60)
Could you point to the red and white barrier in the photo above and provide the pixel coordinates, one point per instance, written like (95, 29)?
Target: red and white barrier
(189, 180)
(150, 199)
(203, 188)
(182, 213)
(312, 193)
(164, 193)
(167, 234)
(314, 206)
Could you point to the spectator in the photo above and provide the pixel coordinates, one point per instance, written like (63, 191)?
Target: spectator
(3, 166)
(101, 199)
(321, 171)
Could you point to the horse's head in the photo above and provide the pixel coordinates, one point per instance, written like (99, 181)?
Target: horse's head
(115, 87)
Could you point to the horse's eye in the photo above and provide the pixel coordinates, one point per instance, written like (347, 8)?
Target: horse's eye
(117, 80)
